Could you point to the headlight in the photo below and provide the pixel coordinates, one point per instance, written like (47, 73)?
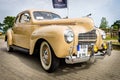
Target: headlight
(103, 34)
(69, 36)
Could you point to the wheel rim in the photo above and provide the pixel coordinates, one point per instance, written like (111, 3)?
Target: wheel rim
(45, 55)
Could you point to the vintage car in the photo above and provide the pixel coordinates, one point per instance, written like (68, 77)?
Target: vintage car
(53, 38)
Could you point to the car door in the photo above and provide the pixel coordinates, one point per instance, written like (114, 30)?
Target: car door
(22, 30)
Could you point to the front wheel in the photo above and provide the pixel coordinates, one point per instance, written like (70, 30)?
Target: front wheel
(48, 59)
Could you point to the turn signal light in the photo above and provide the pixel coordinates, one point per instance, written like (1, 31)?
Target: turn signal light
(95, 48)
(104, 45)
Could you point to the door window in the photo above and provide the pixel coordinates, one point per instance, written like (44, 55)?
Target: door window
(25, 18)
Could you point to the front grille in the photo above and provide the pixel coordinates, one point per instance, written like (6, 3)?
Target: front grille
(88, 36)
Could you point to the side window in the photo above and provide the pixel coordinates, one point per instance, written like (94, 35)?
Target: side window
(25, 18)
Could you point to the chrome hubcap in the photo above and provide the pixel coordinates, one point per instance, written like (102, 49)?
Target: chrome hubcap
(46, 55)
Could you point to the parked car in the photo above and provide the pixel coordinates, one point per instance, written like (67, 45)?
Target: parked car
(119, 35)
(53, 38)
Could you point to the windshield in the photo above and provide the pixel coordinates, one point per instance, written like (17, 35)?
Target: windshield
(39, 15)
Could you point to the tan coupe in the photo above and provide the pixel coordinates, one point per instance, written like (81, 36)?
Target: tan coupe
(45, 33)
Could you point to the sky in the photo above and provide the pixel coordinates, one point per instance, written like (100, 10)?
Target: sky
(76, 8)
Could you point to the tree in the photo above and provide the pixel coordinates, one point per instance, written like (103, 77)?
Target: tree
(8, 22)
(104, 23)
(1, 26)
(116, 25)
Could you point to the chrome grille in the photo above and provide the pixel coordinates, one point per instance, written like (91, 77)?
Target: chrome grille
(88, 36)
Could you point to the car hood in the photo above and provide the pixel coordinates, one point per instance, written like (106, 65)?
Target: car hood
(84, 24)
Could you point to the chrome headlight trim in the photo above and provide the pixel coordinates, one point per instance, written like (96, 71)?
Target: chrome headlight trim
(69, 35)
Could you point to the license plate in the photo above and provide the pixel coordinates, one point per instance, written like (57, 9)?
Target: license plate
(82, 50)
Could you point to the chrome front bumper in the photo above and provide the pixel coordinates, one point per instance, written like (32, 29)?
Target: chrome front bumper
(80, 56)
(84, 57)
(74, 59)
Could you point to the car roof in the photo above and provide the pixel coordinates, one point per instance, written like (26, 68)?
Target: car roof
(32, 10)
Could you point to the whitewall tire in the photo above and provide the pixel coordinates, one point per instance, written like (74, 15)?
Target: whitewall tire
(48, 59)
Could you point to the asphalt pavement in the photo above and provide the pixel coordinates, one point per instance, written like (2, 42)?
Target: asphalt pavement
(20, 65)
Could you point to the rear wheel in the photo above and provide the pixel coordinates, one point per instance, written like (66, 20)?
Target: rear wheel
(48, 59)
(9, 48)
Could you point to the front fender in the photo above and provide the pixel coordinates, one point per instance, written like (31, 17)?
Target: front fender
(55, 37)
(99, 41)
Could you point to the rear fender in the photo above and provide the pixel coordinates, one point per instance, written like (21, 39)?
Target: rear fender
(8, 36)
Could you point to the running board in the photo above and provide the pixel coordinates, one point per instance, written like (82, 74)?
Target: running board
(20, 48)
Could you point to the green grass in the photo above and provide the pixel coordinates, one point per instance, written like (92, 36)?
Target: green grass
(114, 39)
(108, 37)
(116, 43)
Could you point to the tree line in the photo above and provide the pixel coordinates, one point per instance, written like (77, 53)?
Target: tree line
(114, 26)
(7, 23)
